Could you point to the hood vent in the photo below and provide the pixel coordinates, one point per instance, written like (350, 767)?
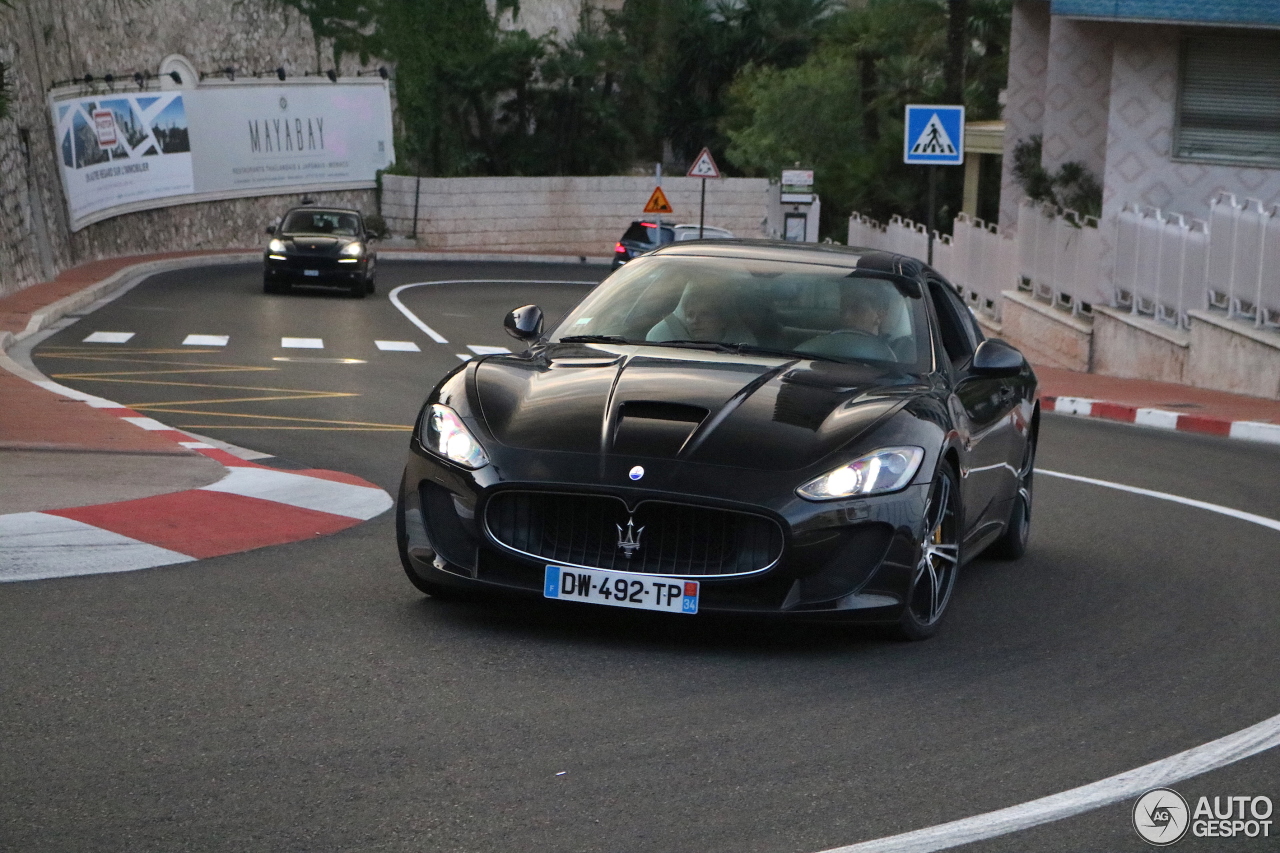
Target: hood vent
(655, 429)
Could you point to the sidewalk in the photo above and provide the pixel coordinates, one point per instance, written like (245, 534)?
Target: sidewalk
(89, 486)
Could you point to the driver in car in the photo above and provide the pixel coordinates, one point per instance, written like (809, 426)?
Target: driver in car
(705, 313)
(863, 329)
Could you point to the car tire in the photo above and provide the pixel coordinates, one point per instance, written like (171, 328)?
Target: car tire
(1012, 544)
(431, 588)
(270, 285)
(359, 290)
(371, 286)
(938, 559)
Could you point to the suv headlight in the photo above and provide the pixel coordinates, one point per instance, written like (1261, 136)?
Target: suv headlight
(276, 246)
(885, 470)
(352, 250)
(441, 431)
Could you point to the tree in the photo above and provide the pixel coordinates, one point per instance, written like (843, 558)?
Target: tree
(872, 61)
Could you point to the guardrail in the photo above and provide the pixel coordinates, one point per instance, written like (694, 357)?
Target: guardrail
(1164, 263)
(1160, 263)
(1059, 255)
(1242, 268)
(978, 258)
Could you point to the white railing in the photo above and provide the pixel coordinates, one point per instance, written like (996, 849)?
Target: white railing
(1160, 263)
(1242, 268)
(1164, 264)
(979, 259)
(1059, 256)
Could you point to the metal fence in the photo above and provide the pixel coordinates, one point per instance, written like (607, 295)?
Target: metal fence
(1164, 264)
(1059, 256)
(1242, 267)
(979, 259)
(1160, 263)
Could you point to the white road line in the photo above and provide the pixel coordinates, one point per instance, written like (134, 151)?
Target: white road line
(465, 356)
(109, 338)
(398, 346)
(206, 340)
(1167, 771)
(147, 423)
(394, 296)
(302, 343)
(483, 350)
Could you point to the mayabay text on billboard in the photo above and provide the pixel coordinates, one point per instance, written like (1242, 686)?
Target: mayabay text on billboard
(121, 153)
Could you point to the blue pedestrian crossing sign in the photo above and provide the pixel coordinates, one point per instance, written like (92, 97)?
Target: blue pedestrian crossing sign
(934, 135)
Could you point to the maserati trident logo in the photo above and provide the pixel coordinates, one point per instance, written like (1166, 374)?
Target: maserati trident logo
(629, 541)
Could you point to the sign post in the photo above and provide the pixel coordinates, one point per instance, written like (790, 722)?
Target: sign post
(933, 136)
(704, 167)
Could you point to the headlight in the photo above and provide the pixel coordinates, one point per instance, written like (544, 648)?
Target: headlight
(352, 250)
(885, 470)
(442, 431)
(276, 246)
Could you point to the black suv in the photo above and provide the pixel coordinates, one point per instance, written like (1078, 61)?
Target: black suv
(315, 245)
(641, 237)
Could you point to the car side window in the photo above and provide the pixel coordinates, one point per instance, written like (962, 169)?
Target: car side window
(957, 334)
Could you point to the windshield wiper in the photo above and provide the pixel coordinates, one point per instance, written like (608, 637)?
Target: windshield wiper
(753, 349)
(593, 339)
(714, 346)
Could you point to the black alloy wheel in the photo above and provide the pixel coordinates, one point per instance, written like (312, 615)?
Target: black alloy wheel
(938, 560)
(270, 285)
(1012, 544)
(359, 289)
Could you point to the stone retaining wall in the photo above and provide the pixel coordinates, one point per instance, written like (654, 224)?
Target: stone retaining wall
(563, 215)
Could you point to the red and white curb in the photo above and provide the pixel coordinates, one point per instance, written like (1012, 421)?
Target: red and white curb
(251, 507)
(1162, 418)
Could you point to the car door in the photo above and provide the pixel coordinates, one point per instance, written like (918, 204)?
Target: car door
(981, 406)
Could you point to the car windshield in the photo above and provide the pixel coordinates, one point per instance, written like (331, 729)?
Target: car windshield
(755, 305)
(321, 222)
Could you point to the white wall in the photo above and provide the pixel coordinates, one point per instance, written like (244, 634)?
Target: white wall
(561, 215)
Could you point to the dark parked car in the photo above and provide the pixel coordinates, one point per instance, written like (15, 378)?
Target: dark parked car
(326, 246)
(731, 427)
(643, 237)
(639, 238)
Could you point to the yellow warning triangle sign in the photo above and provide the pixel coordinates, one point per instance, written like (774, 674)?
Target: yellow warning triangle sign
(658, 202)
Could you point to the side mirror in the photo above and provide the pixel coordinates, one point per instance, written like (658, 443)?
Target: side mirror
(996, 359)
(271, 229)
(525, 323)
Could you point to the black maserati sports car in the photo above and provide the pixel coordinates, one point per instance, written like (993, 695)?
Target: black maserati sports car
(741, 427)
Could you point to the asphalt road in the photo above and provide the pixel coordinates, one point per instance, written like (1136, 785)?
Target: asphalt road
(306, 697)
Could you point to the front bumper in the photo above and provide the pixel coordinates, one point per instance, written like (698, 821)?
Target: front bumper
(841, 560)
(314, 269)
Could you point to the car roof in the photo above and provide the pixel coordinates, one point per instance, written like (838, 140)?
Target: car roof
(314, 209)
(828, 254)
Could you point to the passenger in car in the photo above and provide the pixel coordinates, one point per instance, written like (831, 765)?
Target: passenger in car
(705, 313)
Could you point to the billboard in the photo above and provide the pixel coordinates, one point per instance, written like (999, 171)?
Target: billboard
(126, 152)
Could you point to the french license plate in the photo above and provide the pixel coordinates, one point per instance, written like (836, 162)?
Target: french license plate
(311, 272)
(621, 589)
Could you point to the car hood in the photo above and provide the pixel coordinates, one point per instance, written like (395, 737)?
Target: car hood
(317, 245)
(761, 412)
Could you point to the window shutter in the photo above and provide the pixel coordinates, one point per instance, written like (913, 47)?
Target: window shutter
(1229, 99)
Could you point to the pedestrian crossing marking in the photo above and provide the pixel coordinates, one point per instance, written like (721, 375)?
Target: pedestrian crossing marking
(302, 343)
(483, 350)
(933, 139)
(397, 346)
(205, 340)
(109, 338)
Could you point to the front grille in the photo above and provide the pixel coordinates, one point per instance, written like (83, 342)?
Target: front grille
(589, 530)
